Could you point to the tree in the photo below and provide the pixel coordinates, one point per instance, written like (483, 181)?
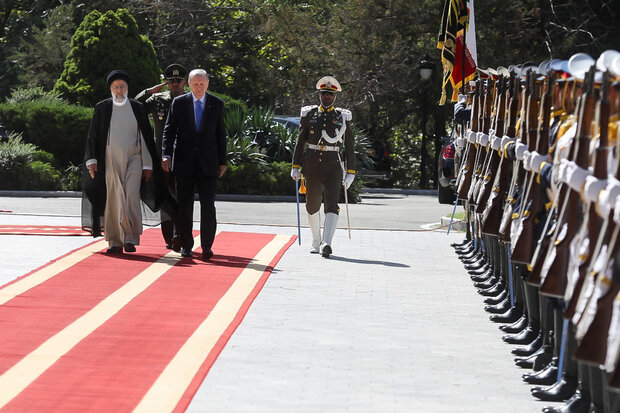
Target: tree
(40, 59)
(102, 43)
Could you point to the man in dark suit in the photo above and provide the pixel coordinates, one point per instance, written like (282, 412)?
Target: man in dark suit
(194, 148)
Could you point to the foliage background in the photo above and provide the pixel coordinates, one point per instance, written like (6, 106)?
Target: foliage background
(269, 53)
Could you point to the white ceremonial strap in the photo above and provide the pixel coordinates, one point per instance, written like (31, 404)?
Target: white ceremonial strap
(593, 187)
(306, 109)
(563, 145)
(617, 211)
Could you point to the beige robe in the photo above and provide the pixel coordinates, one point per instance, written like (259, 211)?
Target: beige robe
(126, 156)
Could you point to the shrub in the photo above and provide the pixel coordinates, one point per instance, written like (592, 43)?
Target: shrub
(55, 127)
(23, 166)
(32, 94)
(257, 179)
(102, 43)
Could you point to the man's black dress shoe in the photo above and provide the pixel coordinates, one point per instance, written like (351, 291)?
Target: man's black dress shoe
(561, 391)
(186, 252)
(207, 255)
(498, 299)
(114, 250)
(129, 247)
(175, 244)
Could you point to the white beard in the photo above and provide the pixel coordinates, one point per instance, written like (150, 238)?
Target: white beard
(119, 101)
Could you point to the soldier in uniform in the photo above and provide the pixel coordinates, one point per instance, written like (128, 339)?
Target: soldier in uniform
(158, 102)
(323, 132)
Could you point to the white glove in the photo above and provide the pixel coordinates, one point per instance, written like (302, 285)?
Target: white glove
(348, 180)
(460, 142)
(616, 211)
(462, 99)
(483, 139)
(295, 174)
(521, 151)
(496, 143)
(593, 187)
(576, 177)
(536, 160)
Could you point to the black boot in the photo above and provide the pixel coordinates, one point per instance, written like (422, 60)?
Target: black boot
(530, 348)
(558, 392)
(544, 377)
(524, 337)
(579, 403)
(517, 327)
(508, 317)
(498, 299)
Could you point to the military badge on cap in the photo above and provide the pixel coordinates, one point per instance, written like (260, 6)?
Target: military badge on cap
(175, 70)
(328, 83)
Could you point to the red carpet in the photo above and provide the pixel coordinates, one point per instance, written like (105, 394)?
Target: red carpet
(41, 230)
(135, 332)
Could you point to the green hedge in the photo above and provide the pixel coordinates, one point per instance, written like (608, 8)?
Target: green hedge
(56, 127)
(256, 179)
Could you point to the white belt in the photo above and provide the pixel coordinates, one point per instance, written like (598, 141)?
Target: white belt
(323, 147)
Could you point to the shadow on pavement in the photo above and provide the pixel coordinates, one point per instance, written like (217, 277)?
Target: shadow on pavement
(357, 261)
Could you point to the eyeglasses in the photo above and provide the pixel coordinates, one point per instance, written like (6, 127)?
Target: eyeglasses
(175, 79)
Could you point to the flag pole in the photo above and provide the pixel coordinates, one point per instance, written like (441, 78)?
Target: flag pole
(298, 219)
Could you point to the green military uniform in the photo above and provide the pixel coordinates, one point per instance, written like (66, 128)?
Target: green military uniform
(324, 130)
(158, 105)
(320, 162)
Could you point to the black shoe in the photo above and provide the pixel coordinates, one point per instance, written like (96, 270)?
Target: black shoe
(206, 256)
(493, 291)
(114, 250)
(169, 246)
(499, 308)
(489, 283)
(558, 392)
(129, 247)
(479, 265)
(497, 299)
(326, 251)
(524, 337)
(175, 244)
(479, 277)
(544, 377)
(517, 327)
(579, 403)
(536, 361)
(186, 252)
(508, 317)
(530, 349)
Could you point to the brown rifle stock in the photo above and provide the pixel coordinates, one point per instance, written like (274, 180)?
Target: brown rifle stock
(555, 280)
(471, 151)
(523, 250)
(492, 167)
(594, 221)
(492, 214)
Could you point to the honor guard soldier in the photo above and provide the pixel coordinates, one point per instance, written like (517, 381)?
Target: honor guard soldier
(157, 102)
(323, 131)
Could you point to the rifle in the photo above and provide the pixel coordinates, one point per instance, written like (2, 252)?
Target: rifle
(486, 125)
(471, 150)
(523, 243)
(517, 168)
(549, 232)
(553, 276)
(492, 215)
(494, 158)
(593, 222)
